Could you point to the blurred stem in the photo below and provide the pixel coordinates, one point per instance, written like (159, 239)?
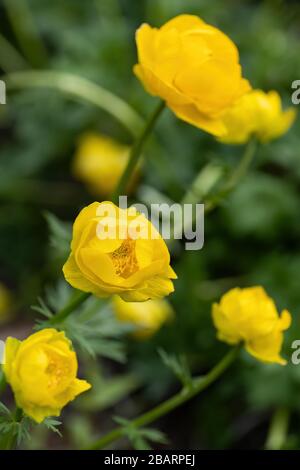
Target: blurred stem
(278, 429)
(136, 151)
(10, 59)
(23, 25)
(13, 437)
(197, 385)
(235, 177)
(2, 381)
(77, 299)
(81, 88)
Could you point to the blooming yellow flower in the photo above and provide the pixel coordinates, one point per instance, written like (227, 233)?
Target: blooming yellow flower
(148, 316)
(42, 372)
(118, 251)
(192, 66)
(100, 162)
(250, 315)
(257, 114)
(5, 303)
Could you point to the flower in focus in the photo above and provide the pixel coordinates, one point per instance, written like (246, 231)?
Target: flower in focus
(192, 66)
(42, 372)
(257, 114)
(250, 315)
(5, 304)
(100, 162)
(148, 316)
(118, 251)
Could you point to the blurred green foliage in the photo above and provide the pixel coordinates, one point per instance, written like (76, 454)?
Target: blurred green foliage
(253, 238)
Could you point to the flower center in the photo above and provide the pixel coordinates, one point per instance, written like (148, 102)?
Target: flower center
(124, 259)
(56, 373)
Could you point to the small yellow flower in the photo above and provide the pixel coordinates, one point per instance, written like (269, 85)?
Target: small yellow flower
(250, 315)
(42, 372)
(192, 66)
(100, 162)
(148, 316)
(118, 251)
(5, 304)
(257, 114)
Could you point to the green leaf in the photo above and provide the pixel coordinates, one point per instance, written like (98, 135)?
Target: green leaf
(139, 437)
(178, 366)
(3, 409)
(60, 235)
(52, 424)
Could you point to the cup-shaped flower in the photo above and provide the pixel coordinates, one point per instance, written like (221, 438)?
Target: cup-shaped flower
(100, 161)
(249, 315)
(194, 67)
(118, 251)
(257, 114)
(148, 317)
(42, 372)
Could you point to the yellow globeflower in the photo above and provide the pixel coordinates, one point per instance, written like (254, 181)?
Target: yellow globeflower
(100, 162)
(5, 303)
(192, 66)
(257, 114)
(42, 372)
(148, 316)
(118, 251)
(250, 315)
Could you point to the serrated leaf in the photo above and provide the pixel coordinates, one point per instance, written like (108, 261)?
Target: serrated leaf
(4, 410)
(52, 424)
(178, 366)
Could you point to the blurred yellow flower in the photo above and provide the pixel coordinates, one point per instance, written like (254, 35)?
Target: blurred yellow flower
(100, 162)
(5, 304)
(257, 114)
(250, 315)
(118, 251)
(192, 66)
(42, 373)
(147, 316)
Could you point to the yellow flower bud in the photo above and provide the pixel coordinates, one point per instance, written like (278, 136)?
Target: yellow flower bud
(249, 315)
(42, 372)
(257, 114)
(192, 66)
(5, 304)
(118, 251)
(147, 316)
(100, 162)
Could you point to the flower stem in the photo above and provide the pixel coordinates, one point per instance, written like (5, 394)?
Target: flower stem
(278, 429)
(80, 88)
(2, 381)
(237, 174)
(198, 385)
(10, 58)
(136, 151)
(77, 300)
(25, 31)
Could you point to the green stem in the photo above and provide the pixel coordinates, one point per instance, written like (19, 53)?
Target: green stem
(10, 59)
(26, 33)
(136, 151)
(77, 300)
(78, 87)
(2, 381)
(237, 174)
(278, 429)
(198, 385)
